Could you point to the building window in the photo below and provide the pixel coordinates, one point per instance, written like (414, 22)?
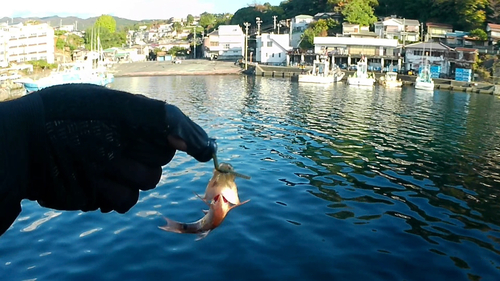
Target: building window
(270, 43)
(417, 52)
(33, 58)
(273, 55)
(279, 55)
(214, 44)
(226, 47)
(267, 55)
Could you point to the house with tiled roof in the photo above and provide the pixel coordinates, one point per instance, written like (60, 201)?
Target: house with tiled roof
(431, 53)
(440, 56)
(437, 31)
(407, 30)
(464, 39)
(493, 31)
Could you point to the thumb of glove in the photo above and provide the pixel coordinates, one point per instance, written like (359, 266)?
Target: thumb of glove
(179, 126)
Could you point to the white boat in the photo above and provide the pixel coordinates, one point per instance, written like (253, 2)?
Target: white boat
(321, 73)
(390, 80)
(69, 74)
(361, 76)
(424, 80)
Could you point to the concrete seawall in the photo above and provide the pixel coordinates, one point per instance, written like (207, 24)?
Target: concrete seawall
(443, 84)
(187, 67)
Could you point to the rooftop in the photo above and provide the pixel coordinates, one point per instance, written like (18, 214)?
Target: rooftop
(356, 41)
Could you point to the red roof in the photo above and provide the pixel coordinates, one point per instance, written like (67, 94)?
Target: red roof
(494, 25)
(471, 50)
(442, 25)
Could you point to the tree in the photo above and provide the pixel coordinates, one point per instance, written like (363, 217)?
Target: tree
(177, 27)
(265, 13)
(472, 13)
(105, 37)
(479, 34)
(189, 19)
(107, 22)
(177, 51)
(319, 28)
(207, 20)
(493, 11)
(292, 8)
(60, 44)
(222, 19)
(360, 12)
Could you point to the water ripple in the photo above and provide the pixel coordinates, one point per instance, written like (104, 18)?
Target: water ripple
(347, 183)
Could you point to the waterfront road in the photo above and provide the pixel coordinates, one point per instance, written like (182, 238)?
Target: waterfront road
(187, 67)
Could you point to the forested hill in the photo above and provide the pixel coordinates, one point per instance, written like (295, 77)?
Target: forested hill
(462, 14)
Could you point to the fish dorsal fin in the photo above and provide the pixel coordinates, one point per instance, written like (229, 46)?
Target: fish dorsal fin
(202, 199)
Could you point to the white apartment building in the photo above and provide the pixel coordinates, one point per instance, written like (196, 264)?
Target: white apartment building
(226, 43)
(273, 49)
(297, 27)
(20, 43)
(4, 50)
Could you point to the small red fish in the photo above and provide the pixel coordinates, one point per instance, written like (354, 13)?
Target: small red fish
(221, 195)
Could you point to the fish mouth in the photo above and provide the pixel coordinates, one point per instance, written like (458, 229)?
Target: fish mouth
(219, 197)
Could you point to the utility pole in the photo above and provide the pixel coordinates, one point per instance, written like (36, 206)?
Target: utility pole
(422, 32)
(404, 31)
(258, 21)
(274, 19)
(194, 43)
(247, 24)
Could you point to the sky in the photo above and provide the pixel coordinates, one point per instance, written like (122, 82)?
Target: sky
(130, 9)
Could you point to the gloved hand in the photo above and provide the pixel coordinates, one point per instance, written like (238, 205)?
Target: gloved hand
(84, 147)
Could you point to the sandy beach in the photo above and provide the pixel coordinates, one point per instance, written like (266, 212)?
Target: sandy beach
(187, 67)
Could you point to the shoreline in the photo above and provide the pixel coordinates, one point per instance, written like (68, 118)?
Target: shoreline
(165, 68)
(173, 73)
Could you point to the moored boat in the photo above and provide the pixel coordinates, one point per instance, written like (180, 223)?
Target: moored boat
(361, 77)
(424, 80)
(321, 73)
(390, 80)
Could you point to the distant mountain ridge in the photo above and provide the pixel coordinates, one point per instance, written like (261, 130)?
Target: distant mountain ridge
(82, 24)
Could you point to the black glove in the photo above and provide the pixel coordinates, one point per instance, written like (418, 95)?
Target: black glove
(85, 147)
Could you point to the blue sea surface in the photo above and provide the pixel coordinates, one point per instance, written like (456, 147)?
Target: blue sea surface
(347, 184)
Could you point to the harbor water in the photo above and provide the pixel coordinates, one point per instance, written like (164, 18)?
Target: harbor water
(347, 184)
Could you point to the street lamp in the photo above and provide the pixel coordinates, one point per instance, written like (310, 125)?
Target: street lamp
(258, 21)
(247, 24)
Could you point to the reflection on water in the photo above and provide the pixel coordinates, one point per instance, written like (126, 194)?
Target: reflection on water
(347, 182)
(47, 216)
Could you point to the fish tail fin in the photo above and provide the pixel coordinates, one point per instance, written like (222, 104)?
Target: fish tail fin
(202, 235)
(171, 226)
